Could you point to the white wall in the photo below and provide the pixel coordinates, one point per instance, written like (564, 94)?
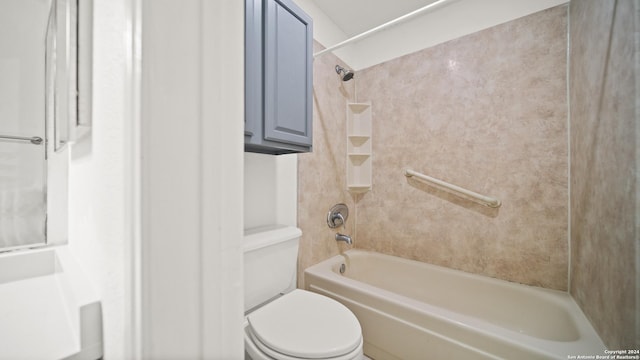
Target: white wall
(327, 32)
(270, 190)
(455, 19)
(96, 177)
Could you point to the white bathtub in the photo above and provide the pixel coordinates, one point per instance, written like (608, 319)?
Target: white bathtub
(413, 310)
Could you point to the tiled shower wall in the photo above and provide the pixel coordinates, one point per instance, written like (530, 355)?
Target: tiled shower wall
(322, 177)
(604, 166)
(487, 112)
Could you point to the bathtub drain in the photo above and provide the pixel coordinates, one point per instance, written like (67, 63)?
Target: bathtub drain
(342, 268)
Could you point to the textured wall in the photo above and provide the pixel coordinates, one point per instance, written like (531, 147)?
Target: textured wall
(322, 177)
(604, 192)
(487, 112)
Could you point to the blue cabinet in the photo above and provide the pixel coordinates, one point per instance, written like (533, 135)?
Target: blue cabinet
(278, 77)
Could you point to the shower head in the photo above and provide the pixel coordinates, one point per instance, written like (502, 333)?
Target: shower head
(346, 73)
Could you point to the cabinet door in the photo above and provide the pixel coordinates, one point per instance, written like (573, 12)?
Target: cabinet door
(288, 50)
(253, 72)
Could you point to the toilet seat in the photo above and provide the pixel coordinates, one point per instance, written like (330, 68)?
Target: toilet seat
(259, 351)
(305, 325)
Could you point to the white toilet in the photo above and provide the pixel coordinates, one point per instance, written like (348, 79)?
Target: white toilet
(282, 322)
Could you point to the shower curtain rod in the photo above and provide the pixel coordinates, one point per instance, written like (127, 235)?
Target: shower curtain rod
(380, 27)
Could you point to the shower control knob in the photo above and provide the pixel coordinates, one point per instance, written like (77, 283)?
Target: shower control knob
(337, 215)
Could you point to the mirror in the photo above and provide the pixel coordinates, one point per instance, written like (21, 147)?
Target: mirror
(45, 92)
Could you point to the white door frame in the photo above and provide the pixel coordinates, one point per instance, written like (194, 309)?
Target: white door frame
(184, 176)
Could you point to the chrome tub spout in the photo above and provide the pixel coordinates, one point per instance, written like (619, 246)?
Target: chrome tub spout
(345, 238)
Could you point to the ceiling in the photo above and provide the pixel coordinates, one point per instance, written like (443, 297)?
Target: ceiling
(356, 16)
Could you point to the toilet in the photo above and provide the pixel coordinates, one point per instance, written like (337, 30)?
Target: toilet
(282, 322)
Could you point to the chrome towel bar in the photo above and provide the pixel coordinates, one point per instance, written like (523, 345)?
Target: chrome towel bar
(484, 200)
(35, 140)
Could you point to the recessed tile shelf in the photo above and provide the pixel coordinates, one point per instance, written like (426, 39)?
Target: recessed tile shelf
(358, 159)
(359, 147)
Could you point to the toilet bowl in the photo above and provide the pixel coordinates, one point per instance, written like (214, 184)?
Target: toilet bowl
(285, 323)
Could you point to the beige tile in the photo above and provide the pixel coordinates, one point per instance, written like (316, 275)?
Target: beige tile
(604, 193)
(321, 173)
(487, 112)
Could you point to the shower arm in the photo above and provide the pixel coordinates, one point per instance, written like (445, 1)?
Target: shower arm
(35, 140)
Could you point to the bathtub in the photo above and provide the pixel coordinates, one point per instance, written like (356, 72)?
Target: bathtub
(413, 310)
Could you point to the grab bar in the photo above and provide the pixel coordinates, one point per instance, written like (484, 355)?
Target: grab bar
(485, 200)
(35, 140)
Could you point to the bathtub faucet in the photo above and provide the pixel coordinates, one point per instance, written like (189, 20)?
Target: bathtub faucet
(345, 238)
(337, 217)
(339, 236)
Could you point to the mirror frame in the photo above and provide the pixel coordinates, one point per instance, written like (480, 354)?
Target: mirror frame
(69, 54)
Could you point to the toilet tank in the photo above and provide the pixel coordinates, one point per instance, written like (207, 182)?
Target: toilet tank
(270, 262)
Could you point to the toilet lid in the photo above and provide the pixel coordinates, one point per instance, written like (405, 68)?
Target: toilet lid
(306, 325)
